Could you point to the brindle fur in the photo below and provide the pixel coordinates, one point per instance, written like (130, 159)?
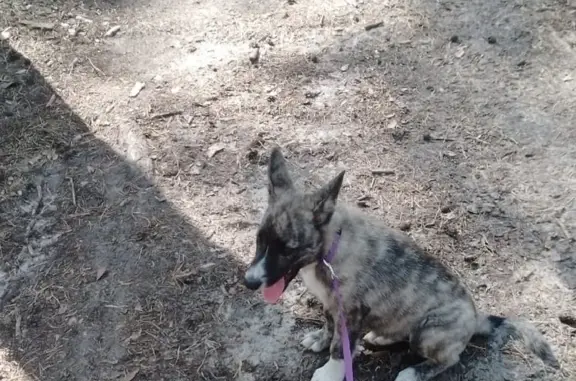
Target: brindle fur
(389, 286)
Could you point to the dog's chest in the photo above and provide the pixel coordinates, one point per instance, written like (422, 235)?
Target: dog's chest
(313, 284)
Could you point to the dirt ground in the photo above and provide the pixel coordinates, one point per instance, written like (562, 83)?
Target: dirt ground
(128, 212)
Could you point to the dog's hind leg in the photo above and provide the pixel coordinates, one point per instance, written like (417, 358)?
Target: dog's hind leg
(440, 338)
(437, 361)
(320, 339)
(374, 339)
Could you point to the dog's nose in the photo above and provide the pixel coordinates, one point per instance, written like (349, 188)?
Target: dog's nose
(255, 275)
(252, 283)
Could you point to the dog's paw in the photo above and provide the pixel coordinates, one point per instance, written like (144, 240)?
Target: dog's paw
(372, 338)
(408, 374)
(315, 341)
(333, 370)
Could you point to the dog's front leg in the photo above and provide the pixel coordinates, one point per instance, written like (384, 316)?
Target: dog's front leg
(320, 339)
(334, 369)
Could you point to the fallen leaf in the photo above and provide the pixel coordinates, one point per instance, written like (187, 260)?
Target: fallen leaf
(100, 272)
(6, 85)
(37, 25)
(214, 149)
(138, 86)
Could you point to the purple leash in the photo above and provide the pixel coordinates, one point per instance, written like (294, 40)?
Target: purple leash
(344, 336)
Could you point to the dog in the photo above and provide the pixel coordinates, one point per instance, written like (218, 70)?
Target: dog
(389, 287)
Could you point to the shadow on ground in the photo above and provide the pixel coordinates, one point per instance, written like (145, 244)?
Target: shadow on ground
(100, 277)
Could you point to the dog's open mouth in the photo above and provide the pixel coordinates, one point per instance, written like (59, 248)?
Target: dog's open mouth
(273, 292)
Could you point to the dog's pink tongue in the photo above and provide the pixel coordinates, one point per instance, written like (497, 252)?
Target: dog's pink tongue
(273, 293)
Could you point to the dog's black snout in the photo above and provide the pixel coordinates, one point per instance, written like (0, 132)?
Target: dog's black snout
(251, 283)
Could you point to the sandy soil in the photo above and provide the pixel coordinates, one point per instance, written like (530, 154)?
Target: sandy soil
(133, 143)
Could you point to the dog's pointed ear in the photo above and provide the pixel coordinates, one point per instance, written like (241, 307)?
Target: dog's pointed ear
(278, 176)
(324, 200)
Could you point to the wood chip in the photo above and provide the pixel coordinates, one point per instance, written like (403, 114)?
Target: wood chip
(383, 171)
(51, 100)
(214, 149)
(101, 272)
(373, 26)
(166, 114)
(138, 86)
(112, 31)
(37, 25)
(207, 266)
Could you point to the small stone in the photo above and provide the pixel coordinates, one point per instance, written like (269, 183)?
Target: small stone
(568, 320)
(138, 86)
(5, 34)
(254, 56)
(345, 67)
(446, 209)
(405, 226)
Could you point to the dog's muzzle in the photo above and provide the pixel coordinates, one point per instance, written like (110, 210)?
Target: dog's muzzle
(255, 275)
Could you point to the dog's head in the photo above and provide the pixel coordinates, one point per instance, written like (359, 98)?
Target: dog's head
(291, 233)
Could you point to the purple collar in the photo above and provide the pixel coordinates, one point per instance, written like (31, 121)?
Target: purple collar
(344, 336)
(333, 248)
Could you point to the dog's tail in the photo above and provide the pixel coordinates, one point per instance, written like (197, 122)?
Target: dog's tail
(499, 330)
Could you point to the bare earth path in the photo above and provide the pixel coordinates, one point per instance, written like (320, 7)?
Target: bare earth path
(126, 221)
